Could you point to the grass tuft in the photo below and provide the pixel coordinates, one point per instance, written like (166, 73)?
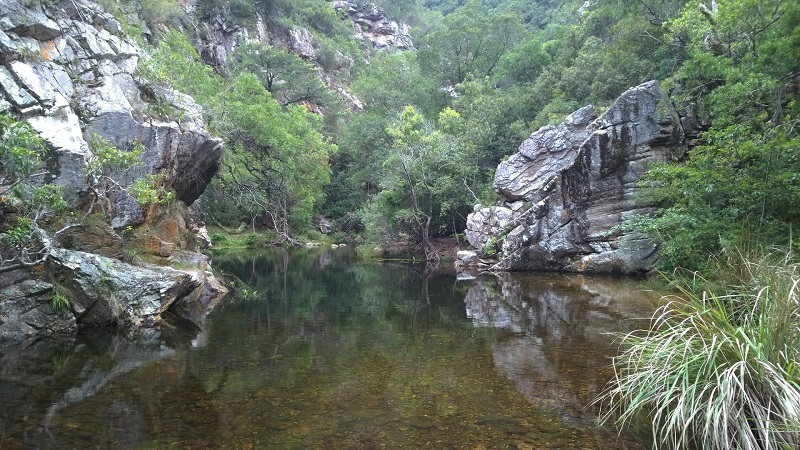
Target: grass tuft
(717, 371)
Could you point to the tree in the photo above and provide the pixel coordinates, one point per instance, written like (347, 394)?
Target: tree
(471, 42)
(739, 186)
(418, 180)
(277, 163)
(23, 243)
(290, 79)
(524, 63)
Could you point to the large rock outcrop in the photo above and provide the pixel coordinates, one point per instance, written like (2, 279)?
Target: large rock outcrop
(68, 70)
(105, 291)
(569, 185)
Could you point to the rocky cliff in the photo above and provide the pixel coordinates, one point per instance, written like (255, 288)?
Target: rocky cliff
(372, 25)
(569, 185)
(70, 73)
(221, 36)
(68, 70)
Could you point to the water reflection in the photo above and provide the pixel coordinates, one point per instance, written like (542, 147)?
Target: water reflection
(322, 351)
(557, 346)
(69, 394)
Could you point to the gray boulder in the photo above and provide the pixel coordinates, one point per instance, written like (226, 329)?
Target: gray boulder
(577, 181)
(105, 291)
(26, 313)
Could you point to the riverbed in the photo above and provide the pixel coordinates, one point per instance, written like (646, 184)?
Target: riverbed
(316, 349)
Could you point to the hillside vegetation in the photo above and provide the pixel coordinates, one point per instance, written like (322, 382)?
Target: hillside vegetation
(434, 122)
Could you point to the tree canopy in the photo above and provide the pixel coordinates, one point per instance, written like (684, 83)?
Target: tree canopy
(484, 75)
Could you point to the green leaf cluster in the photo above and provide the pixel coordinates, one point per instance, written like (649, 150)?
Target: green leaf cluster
(420, 179)
(21, 150)
(24, 204)
(741, 182)
(150, 190)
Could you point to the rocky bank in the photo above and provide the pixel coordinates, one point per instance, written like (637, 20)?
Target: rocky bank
(67, 69)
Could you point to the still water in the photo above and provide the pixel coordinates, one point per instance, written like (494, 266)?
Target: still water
(318, 350)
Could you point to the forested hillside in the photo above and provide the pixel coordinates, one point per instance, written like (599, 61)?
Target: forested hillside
(437, 119)
(390, 118)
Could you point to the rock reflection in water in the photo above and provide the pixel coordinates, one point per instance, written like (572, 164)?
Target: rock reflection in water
(556, 347)
(328, 352)
(72, 394)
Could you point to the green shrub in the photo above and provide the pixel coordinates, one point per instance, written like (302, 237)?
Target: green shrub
(60, 300)
(219, 238)
(718, 371)
(161, 12)
(490, 248)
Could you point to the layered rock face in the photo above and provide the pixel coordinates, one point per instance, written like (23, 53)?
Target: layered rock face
(70, 73)
(67, 69)
(569, 185)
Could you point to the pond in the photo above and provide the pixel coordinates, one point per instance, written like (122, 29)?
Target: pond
(319, 350)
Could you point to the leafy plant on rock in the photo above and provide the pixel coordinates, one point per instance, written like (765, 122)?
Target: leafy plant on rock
(24, 205)
(102, 171)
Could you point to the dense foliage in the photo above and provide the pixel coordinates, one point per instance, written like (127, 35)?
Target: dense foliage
(501, 68)
(277, 160)
(741, 74)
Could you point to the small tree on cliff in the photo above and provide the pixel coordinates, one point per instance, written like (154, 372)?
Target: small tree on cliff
(23, 206)
(106, 162)
(29, 213)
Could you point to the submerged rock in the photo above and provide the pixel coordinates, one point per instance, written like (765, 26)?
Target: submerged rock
(569, 185)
